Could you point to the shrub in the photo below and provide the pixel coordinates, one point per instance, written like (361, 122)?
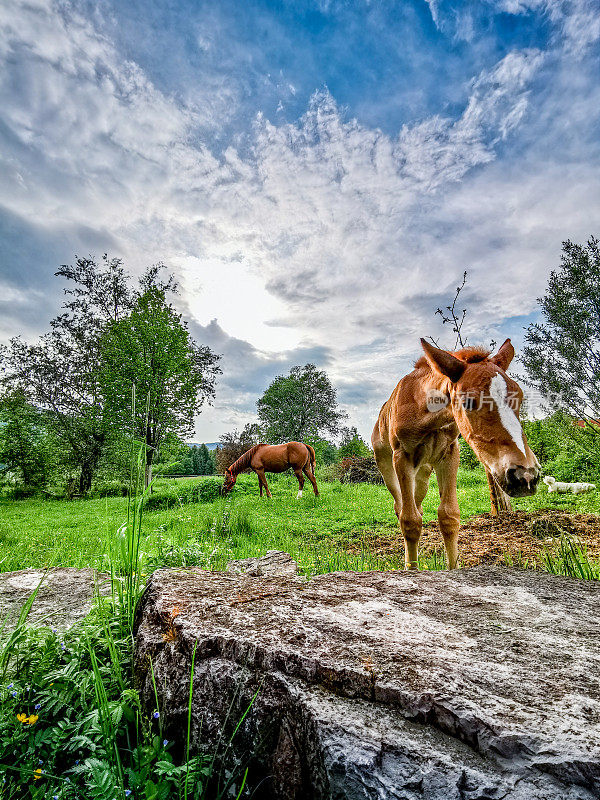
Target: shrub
(359, 470)
(22, 492)
(468, 459)
(572, 467)
(109, 489)
(202, 491)
(328, 473)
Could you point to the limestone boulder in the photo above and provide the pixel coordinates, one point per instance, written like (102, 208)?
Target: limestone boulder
(475, 684)
(64, 596)
(275, 562)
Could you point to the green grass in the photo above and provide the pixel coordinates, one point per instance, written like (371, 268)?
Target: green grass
(71, 724)
(84, 533)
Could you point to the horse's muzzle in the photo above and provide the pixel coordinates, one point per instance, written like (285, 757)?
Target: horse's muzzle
(520, 481)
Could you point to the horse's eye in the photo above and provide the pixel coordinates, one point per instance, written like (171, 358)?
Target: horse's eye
(469, 404)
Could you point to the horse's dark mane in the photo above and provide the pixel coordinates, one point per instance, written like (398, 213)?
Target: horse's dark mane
(470, 355)
(244, 460)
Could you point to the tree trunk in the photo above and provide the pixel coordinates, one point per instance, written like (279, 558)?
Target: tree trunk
(89, 464)
(148, 475)
(499, 500)
(85, 477)
(148, 463)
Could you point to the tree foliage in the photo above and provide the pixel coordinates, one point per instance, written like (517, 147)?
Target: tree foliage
(25, 446)
(194, 460)
(151, 349)
(234, 444)
(298, 406)
(59, 374)
(64, 375)
(562, 353)
(352, 444)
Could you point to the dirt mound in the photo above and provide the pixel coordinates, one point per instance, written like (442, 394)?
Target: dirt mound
(522, 536)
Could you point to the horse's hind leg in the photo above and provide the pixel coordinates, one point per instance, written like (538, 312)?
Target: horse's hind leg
(307, 469)
(300, 476)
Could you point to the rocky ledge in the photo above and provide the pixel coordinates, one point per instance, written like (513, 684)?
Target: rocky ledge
(64, 595)
(475, 684)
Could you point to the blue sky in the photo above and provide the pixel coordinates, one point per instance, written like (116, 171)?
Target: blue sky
(317, 175)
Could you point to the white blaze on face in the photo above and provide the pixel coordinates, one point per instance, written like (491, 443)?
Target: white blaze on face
(499, 392)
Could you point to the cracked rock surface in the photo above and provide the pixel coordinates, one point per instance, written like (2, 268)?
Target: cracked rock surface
(475, 684)
(64, 595)
(275, 562)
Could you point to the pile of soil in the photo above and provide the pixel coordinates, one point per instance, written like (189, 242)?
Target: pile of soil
(483, 539)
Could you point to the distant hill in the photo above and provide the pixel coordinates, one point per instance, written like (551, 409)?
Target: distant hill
(210, 445)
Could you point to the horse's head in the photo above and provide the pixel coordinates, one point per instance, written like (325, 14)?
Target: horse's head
(229, 482)
(485, 403)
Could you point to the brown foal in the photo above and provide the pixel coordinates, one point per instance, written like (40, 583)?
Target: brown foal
(466, 392)
(274, 458)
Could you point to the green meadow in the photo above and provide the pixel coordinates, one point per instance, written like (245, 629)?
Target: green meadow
(316, 531)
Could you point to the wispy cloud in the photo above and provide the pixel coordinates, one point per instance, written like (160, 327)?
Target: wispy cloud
(320, 237)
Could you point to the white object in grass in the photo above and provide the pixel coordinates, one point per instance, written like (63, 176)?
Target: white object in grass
(556, 487)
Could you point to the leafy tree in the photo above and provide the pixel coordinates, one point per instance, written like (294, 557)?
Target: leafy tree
(151, 349)
(562, 353)
(352, 444)
(206, 461)
(59, 374)
(299, 406)
(25, 445)
(565, 450)
(172, 456)
(234, 444)
(325, 451)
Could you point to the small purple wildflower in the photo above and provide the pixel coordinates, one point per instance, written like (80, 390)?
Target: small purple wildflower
(37, 706)
(165, 742)
(156, 715)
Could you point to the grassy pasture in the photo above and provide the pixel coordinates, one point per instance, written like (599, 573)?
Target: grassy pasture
(86, 734)
(316, 531)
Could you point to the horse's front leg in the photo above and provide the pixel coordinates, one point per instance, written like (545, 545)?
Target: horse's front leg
(410, 518)
(263, 482)
(449, 511)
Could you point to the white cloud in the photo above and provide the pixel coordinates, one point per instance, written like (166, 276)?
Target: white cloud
(346, 235)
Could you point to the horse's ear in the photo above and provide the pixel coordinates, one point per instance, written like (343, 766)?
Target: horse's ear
(504, 356)
(443, 361)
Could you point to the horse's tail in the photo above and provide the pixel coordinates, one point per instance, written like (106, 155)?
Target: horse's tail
(311, 457)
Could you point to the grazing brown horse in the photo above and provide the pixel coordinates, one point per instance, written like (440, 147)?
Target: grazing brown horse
(465, 392)
(274, 458)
